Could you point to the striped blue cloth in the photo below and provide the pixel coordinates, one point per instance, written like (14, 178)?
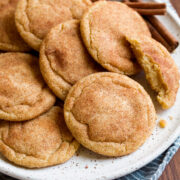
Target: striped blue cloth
(152, 171)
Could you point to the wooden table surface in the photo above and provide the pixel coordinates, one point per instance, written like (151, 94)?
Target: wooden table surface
(176, 4)
(172, 171)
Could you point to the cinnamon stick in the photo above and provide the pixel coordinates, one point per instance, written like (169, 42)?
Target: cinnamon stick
(155, 34)
(160, 33)
(148, 8)
(149, 5)
(170, 39)
(151, 12)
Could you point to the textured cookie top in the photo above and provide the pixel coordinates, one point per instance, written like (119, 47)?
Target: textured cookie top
(64, 59)
(34, 19)
(40, 142)
(23, 93)
(103, 29)
(10, 39)
(109, 113)
(160, 69)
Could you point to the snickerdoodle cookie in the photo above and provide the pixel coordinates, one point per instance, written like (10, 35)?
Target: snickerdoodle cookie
(43, 141)
(10, 40)
(63, 58)
(160, 69)
(23, 93)
(34, 19)
(103, 29)
(109, 113)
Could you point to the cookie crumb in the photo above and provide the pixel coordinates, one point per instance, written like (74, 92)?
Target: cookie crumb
(162, 123)
(170, 117)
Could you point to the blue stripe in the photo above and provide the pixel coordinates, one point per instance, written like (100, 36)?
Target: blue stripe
(153, 170)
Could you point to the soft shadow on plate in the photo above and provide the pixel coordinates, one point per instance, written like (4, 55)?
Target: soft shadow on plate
(90, 155)
(140, 78)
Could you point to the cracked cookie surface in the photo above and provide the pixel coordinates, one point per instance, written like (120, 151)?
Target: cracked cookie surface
(34, 19)
(43, 141)
(64, 59)
(161, 71)
(109, 113)
(10, 39)
(23, 93)
(103, 30)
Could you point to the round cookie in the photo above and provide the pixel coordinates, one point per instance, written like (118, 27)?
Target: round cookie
(43, 141)
(64, 59)
(103, 30)
(161, 70)
(109, 113)
(23, 93)
(10, 39)
(34, 19)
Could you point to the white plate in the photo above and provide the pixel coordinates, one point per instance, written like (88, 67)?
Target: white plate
(87, 165)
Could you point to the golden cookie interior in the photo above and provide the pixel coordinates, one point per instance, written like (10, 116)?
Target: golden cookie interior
(160, 69)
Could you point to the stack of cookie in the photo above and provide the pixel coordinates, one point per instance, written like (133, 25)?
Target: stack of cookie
(86, 53)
